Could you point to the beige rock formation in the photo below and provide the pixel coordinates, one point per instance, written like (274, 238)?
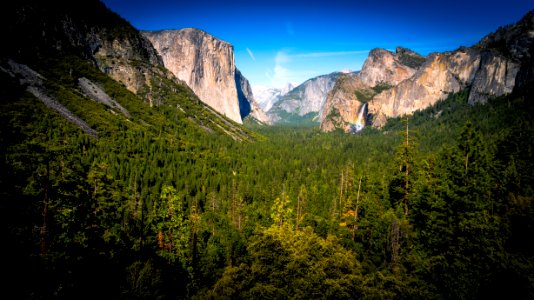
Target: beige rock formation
(342, 106)
(501, 62)
(383, 66)
(487, 73)
(204, 63)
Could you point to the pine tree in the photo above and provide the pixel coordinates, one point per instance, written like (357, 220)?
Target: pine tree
(281, 212)
(170, 226)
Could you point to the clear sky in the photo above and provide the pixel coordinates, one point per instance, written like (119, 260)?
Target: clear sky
(276, 42)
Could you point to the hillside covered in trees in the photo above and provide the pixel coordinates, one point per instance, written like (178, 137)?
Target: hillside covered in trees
(172, 200)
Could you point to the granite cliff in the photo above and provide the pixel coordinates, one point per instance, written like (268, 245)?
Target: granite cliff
(65, 43)
(381, 71)
(383, 66)
(207, 65)
(487, 73)
(342, 104)
(401, 83)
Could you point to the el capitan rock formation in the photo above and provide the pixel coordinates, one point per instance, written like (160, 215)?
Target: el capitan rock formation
(206, 64)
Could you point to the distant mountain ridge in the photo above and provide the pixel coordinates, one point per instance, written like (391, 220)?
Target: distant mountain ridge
(268, 96)
(307, 99)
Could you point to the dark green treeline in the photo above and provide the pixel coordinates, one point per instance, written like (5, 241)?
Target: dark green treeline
(438, 205)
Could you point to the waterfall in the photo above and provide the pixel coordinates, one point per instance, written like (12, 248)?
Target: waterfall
(359, 123)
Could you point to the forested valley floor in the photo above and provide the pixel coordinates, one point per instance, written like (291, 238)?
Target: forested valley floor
(436, 205)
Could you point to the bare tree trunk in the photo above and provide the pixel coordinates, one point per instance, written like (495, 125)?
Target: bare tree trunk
(356, 209)
(466, 162)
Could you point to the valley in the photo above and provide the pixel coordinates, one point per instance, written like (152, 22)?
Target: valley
(144, 165)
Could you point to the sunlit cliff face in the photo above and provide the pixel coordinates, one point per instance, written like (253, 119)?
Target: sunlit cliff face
(359, 123)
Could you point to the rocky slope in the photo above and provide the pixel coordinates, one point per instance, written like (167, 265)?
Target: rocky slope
(69, 41)
(495, 66)
(309, 97)
(206, 64)
(342, 105)
(41, 31)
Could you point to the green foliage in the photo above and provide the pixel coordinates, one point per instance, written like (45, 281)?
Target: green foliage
(366, 95)
(380, 87)
(333, 115)
(282, 212)
(170, 227)
(411, 60)
(289, 264)
(294, 119)
(161, 207)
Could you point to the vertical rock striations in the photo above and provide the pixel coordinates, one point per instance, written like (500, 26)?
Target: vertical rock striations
(516, 42)
(488, 74)
(204, 63)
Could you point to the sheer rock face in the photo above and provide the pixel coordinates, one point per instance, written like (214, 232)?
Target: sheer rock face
(342, 106)
(498, 64)
(204, 63)
(488, 73)
(383, 66)
(515, 42)
(441, 74)
(309, 97)
(248, 106)
(495, 77)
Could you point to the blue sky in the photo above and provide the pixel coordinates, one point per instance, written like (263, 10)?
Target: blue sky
(276, 42)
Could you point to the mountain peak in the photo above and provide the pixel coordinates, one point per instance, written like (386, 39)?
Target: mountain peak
(383, 66)
(514, 40)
